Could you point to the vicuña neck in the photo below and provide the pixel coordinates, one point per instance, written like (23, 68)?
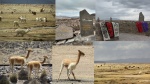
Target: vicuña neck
(43, 61)
(78, 59)
(27, 54)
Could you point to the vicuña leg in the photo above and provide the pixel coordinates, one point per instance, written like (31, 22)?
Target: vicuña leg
(29, 71)
(22, 65)
(12, 66)
(62, 66)
(37, 73)
(68, 73)
(73, 75)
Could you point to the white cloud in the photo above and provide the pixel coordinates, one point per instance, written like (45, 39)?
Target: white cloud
(122, 9)
(131, 46)
(73, 7)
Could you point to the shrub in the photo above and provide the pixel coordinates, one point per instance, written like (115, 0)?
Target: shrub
(43, 77)
(13, 78)
(4, 79)
(23, 75)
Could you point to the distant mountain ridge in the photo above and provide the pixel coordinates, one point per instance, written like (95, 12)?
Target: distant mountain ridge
(130, 60)
(65, 17)
(99, 62)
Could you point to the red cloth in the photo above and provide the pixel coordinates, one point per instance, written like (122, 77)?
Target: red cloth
(139, 27)
(110, 29)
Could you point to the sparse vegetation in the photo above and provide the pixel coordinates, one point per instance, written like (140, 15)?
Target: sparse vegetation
(13, 78)
(23, 75)
(43, 77)
(4, 79)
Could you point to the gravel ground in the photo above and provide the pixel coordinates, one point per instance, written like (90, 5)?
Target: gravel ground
(133, 37)
(40, 49)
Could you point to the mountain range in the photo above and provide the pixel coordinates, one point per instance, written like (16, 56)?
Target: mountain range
(66, 17)
(129, 60)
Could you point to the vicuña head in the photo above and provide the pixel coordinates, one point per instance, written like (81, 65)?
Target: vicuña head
(45, 57)
(81, 53)
(19, 60)
(29, 50)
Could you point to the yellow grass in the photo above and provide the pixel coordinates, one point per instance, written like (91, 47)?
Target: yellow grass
(111, 73)
(38, 33)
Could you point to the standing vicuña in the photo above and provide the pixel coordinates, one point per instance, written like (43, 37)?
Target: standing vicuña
(18, 60)
(70, 65)
(35, 65)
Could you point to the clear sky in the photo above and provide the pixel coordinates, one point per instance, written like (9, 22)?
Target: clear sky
(73, 7)
(122, 9)
(27, 1)
(113, 50)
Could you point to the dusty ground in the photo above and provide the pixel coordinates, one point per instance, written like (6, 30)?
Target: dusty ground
(37, 33)
(133, 37)
(84, 71)
(113, 73)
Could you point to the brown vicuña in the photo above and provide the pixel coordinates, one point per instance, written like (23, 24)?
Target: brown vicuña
(70, 65)
(35, 65)
(18, 60)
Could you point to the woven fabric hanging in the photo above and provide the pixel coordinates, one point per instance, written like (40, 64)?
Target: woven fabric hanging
(110, 29)
(145, 26)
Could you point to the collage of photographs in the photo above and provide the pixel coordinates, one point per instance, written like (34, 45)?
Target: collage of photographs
(74, 42)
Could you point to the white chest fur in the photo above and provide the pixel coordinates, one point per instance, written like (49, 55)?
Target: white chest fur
(72, 66)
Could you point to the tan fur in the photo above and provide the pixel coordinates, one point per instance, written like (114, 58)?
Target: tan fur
(18, 60)
(67, 62)
(35, 65)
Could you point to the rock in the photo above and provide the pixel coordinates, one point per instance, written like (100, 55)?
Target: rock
(70, 40)
(63, 32)
(86, 21)
(141, 16)
(61, 42)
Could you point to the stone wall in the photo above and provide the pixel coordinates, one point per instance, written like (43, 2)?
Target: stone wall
(124, 27)
(129, 27)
